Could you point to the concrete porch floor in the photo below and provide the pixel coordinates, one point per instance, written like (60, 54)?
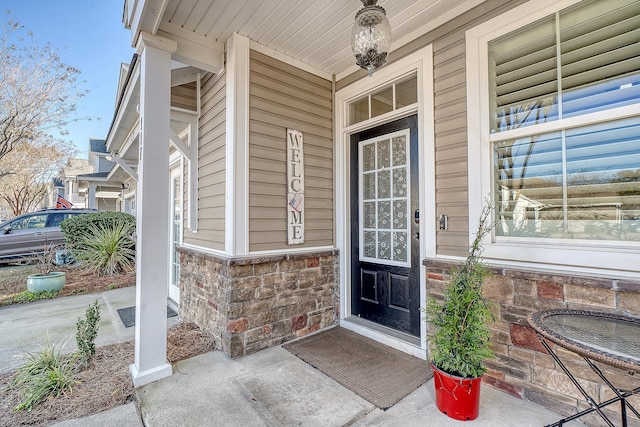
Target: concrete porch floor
(275, 388)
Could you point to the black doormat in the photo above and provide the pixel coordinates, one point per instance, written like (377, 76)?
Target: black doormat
(380, 374)
(128, 315)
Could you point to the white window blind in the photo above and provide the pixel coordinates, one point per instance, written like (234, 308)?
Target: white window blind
(580, 182)
(595, 46)
(600, 56)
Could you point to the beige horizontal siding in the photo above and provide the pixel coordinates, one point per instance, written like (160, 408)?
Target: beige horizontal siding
(280, 97)
(211, 165)
(185, 96)
(450, 113)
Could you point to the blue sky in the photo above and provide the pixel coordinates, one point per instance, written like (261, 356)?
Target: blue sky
(90, 36)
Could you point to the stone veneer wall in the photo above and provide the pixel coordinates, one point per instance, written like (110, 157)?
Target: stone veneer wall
(522, 367)
(252, 303)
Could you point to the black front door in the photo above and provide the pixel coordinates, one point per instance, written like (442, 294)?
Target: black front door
(385, 249)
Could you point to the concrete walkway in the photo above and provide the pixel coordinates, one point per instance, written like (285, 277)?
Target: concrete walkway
(269, 388)
(24, 327)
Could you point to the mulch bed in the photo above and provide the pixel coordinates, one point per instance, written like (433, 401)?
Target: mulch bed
(78, 282)
(104, 385)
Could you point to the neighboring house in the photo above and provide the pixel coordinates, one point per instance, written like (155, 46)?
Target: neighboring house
(98, 190)
(281, 190)
(66, 185)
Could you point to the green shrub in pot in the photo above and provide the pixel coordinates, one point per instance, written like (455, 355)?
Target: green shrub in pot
(460, 342)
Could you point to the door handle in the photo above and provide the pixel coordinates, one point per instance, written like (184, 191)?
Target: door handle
(416, 236)
(416, 216)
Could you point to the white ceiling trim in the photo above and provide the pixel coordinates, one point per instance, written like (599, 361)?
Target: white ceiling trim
(194, 49)
(316, 33)
(289, 60)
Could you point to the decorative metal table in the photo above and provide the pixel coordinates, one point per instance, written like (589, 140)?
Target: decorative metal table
(611, 339)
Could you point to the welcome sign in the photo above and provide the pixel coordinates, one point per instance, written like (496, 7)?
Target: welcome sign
(295, 187)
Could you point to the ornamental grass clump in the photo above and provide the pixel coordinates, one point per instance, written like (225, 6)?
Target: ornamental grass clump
(47, 372)
(460, 342)
(106, 249)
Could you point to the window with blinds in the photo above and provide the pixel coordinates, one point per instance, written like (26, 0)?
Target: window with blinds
(573, 178)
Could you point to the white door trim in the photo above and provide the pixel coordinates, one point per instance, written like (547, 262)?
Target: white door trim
(421, 62)
(176, 169)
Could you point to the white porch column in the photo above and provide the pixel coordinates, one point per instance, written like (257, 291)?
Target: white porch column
(237, 149)
(152, 220)
(91, 202)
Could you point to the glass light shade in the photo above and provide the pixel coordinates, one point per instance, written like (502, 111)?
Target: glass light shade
(371, 37)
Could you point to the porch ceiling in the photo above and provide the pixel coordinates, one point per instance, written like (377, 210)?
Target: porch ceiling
(315, 32)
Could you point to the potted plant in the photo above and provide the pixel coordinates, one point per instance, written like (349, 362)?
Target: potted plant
(460, 342)
(46, 280)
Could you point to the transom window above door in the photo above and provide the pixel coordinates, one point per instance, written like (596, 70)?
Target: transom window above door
(396, 95)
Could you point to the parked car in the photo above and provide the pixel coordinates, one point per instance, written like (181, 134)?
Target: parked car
(29, 234)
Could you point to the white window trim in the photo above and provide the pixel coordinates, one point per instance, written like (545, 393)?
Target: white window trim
(420, 62)
(566, 256)
(176, 169)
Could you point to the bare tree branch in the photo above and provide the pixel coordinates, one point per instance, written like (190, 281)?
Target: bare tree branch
(29, 167)
(39, 93)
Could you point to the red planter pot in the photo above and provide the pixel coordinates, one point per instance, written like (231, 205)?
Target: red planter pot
(457, 397)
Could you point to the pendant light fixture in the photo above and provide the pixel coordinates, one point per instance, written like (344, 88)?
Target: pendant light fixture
(371, 36)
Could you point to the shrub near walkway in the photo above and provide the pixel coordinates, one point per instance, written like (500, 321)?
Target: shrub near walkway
(102, 242)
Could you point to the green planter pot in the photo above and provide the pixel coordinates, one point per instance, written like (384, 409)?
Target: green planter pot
(52, 282)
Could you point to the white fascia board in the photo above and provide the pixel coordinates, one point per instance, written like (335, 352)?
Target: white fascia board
(131, 138)
(132, 18)
(194, 49)
(92, 179)
(122, 78)
(132, 91)
(146, 16)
